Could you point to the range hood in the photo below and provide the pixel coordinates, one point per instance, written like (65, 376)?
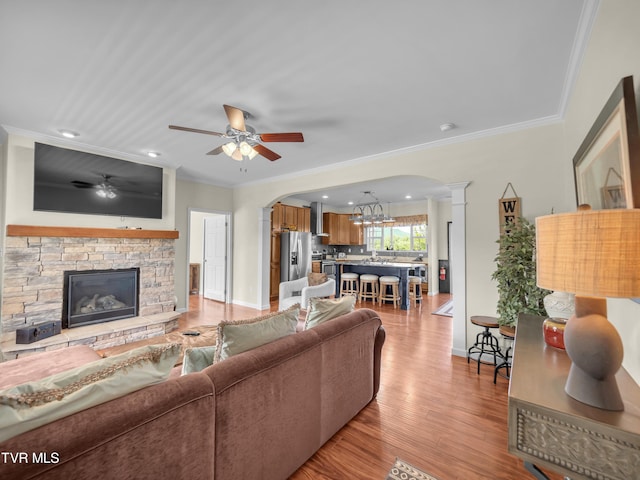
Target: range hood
(316, 220)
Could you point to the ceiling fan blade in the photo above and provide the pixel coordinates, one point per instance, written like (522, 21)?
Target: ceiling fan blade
(265, 152)
(196, 130)
(236, 117)
(282, 137)
(215, 151)
(81, 184)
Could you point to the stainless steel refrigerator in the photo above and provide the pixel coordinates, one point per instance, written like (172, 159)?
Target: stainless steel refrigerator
(295, 255)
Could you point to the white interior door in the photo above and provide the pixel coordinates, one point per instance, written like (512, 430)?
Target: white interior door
(215, 257)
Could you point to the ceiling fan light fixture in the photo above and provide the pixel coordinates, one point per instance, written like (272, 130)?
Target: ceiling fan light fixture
(245, 149)
(237, 155)
(105, 191)
(252, 154)
(229, 148)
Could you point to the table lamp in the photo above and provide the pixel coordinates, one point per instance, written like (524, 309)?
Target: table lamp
(594, 254)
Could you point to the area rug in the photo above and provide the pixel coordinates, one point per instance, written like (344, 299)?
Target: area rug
(403, 471)
(446, 309)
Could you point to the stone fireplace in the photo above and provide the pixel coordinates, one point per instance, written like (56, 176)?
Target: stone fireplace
(36, 259)
(96, 296)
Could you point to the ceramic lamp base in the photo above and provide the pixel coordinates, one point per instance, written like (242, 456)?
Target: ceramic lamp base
(595, 348)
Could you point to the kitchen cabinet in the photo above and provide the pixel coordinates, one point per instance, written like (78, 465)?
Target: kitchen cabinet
(330, 226)
(341, 230)
(274, 264)
(288, 217)
(356, 234)
(344, 230)
(277, 217)
(304, 219)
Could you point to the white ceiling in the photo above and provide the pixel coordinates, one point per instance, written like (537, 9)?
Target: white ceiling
(359, 79)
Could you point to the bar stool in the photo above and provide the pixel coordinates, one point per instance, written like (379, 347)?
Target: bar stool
(349, 283)
(486, 342)
(415, 290)
(368, 287)
(509, 334)
(389, 291)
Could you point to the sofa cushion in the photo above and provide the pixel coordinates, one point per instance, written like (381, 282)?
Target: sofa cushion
(44, 364)
(321, 309)
(240, 336)
(315, 279)
(197, 358)
(30, 405)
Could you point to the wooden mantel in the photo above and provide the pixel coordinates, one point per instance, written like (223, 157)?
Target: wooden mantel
(87, 232)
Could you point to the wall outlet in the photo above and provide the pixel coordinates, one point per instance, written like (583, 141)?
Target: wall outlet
(362, 250)
(348, 250)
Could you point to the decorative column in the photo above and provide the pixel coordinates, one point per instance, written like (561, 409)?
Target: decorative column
(458, 267)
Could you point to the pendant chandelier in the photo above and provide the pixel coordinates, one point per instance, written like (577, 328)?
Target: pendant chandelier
(368, 211)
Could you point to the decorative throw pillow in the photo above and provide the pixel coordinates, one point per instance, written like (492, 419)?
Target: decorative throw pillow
(33, 404)
(197, 359)
(315, 279)
(243, 335)
(321, 309)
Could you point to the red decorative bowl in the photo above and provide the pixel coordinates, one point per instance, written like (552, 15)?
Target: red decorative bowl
(553, 331)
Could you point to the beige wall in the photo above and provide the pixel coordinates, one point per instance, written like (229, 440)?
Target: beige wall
(612, 54)
(194, 196)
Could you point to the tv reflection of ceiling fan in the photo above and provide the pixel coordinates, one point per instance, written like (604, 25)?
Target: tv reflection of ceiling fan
(244, 141)
(104, 189)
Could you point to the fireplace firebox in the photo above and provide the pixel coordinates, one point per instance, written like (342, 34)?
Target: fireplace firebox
(96, 296)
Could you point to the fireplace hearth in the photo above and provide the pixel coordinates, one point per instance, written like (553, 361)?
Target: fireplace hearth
(97, 296)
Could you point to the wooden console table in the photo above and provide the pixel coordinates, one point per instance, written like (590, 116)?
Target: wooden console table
(549, 429)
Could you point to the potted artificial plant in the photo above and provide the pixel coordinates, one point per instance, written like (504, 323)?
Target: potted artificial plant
(516, 274)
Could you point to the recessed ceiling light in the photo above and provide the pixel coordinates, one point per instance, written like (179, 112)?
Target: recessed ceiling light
(407, 197)
(325, 196)
(445, 127)
(153, 154)
(349, 203)
(68, 133)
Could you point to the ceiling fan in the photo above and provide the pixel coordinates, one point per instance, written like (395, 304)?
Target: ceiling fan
(105, 189)
(245, 142)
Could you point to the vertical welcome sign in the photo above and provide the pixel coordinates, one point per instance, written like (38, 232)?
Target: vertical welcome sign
(509, 210)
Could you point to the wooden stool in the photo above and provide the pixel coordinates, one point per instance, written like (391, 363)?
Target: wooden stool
(349, 283)
(415, 290)
(368, 287)
(486, 342)
(389, 282)
(509, 334)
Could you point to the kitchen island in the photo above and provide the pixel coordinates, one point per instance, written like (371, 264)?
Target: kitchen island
(401, 270)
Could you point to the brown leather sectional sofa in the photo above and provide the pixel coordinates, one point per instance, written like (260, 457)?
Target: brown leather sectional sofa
(258, 415)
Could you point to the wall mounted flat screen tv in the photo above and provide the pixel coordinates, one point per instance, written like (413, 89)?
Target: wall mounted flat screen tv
(78, 182)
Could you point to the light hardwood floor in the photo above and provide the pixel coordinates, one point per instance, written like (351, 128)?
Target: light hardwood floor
(433, 410)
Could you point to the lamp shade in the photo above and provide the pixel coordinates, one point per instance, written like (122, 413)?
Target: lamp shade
(591, 253)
